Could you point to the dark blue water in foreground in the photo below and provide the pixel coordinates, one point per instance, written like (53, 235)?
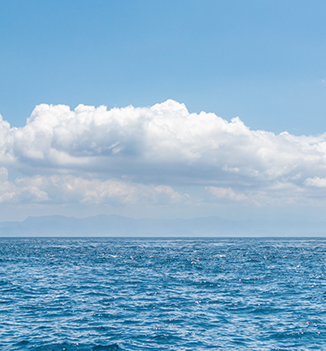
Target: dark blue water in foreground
(159, 294)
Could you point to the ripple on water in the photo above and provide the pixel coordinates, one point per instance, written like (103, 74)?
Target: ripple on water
(158, 294)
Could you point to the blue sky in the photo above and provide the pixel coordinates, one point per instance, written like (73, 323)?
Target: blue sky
(263, 61)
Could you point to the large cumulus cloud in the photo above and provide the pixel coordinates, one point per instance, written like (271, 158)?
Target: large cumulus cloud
(138, 150)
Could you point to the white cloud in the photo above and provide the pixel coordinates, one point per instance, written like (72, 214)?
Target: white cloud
(226, 193)
(316, 181)
(69, 189)
(10, 192)
(92, 155)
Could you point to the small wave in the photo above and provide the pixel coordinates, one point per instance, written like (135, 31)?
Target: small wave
(105, 347)
(73, 347)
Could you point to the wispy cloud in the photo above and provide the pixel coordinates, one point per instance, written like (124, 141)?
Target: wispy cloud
(70, 189)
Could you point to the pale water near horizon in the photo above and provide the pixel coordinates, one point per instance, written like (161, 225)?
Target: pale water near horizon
(159, 294)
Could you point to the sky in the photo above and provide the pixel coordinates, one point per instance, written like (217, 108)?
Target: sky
(163, 108)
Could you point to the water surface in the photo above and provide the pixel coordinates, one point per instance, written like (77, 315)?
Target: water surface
(159, 294)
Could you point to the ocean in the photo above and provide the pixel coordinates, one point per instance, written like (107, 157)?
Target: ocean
(162, 294)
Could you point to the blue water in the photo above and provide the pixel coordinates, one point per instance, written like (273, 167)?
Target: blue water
(162, 294)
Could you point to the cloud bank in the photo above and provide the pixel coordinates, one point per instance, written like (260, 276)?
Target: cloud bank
(144, 155)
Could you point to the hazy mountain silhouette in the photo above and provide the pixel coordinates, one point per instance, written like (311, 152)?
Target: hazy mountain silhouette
(113, 225)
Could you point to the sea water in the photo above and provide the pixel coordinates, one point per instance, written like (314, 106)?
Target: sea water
(162, 294)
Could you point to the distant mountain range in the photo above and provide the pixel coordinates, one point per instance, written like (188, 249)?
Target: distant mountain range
(112, 225)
